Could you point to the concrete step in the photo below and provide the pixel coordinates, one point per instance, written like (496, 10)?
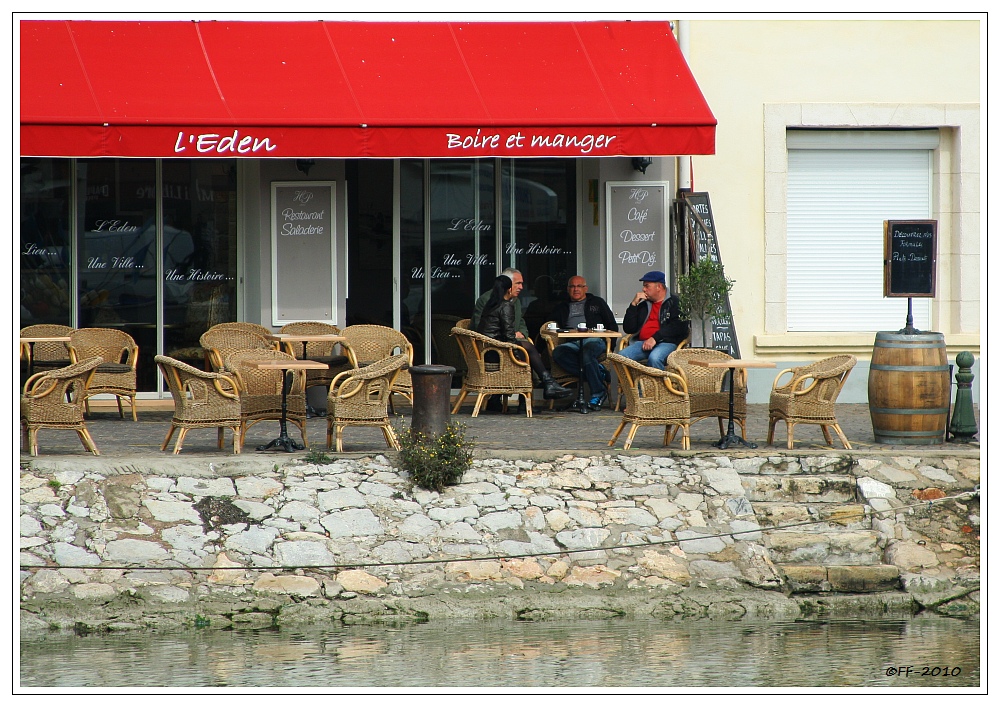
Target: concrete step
(822, 488)
(826, 548)
(806, 579)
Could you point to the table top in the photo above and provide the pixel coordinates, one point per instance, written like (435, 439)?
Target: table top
(734, 363)
(585, 334)
(43, 339)
(292, 364)
(308, 337)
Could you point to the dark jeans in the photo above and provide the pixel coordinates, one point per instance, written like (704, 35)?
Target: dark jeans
(569, 356)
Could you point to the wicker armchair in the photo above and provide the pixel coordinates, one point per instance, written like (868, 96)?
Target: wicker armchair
(360, 398)
(369, 343)
(624, 341)
(260, 390)
(258, 329)
(55, 399)
(561, 375)
(322, 351)
(652, 398)
(705, 386)
(201, 400)
(44, 355)
(809, 397)
(116, 374)
(493, 368)
(219, 343)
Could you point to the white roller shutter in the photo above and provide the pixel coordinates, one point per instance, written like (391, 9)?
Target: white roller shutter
(837, 201)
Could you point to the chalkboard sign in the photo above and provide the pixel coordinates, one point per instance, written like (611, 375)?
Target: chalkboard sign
(637, 223)
(303, 276)
(704, 244)
(910, 261)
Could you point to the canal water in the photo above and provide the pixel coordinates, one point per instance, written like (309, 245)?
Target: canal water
(917, 652)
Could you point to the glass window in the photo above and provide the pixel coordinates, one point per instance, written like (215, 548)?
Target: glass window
(369, 246)
(199, 252)
(46, 255)
(539, 232)
(116, 212)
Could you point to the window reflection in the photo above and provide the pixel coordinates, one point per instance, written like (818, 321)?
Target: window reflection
(45, 252)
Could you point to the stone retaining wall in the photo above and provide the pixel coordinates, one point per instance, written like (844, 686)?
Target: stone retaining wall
(186, 542)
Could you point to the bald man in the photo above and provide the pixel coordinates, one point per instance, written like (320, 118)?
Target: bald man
(584, 308)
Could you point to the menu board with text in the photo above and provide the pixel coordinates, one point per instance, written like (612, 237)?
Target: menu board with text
(637, 223)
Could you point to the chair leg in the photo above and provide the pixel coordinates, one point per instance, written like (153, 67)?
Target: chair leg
(390, 437)
(329, 430)
(479, 403)
(340, 438)
(461, 399)
(135, 417)
(527, 403)
(826, 435)
(770, 429)
(721, 430)
(686, 439)
(840, 433)
(88, 441)
(180, 440)
(121, 413)
(631, 435)
(614, 437)
(170, 433)
(33, 442)
(222, 436)
(791, 439)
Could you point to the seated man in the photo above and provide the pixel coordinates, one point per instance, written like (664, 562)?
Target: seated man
(655, 317)
(584, 308)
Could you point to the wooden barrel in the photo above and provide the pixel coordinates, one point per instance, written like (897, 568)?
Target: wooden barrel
(909, 388)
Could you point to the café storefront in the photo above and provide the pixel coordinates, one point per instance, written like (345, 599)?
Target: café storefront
(345, 172)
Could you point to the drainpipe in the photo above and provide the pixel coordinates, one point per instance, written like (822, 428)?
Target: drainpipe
(684, 161)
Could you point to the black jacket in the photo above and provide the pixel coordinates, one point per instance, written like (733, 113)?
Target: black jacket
(499, 324)
(673, 329)
(595, 309)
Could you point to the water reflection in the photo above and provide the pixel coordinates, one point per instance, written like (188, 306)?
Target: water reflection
(621, 653)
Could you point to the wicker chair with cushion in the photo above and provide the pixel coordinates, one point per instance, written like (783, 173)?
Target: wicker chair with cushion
(55, 399)
(809, 397)
(360, 398)
(201, 400)
(369, 343)
(219, 343)
(43, 355)
(116, 374)
(260, 390)
(706, 386)
(652, 398)
(322, 351)
(493, 368)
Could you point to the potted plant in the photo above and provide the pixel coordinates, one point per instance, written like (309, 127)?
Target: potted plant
(702, 293)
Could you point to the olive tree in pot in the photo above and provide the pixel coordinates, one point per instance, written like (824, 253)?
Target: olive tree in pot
(702, 293)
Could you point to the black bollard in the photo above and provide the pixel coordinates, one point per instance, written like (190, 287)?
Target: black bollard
(431, 399)
(963, 420)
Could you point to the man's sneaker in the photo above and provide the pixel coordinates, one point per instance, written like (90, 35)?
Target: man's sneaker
(596, 401)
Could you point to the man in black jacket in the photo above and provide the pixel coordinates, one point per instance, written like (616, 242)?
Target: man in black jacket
(654, 317)
(584, 308)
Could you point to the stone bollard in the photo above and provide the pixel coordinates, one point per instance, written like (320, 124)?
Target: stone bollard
(431, 399)
(963, 419)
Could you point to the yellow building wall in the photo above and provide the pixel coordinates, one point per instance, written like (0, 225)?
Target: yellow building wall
(923, 67)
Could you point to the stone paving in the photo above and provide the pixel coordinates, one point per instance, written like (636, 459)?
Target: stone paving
(555, 430)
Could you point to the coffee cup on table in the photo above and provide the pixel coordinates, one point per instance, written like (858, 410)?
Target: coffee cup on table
(582, 326)
(552, 326)
(600, 327)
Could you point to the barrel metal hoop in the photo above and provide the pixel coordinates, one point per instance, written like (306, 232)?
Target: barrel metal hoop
(915, 369)
(909, 411)
(897, 433)
(882, 344)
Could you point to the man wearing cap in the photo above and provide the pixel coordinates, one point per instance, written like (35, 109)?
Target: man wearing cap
(654, 317)
(591, 310)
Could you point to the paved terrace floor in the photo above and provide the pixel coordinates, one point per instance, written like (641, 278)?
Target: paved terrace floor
(556, 430)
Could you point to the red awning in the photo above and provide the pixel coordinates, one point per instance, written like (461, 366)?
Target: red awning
(357, 89)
